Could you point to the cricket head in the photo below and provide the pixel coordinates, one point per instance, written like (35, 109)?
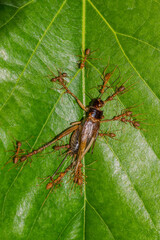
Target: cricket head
(94, 109)
(97, 103)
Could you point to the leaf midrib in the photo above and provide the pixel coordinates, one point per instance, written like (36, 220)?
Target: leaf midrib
(84, 102)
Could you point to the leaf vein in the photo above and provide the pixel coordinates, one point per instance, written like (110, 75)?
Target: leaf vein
(139, 40)
(5, 197)
(141, 200)
(100, 217)
(120, 46)
(35, 220)
(69, 222)
(40, 40)
(36, 141)
(20, 8)
(156, 1)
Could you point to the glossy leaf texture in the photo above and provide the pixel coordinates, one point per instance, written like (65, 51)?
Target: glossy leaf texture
(121, 199)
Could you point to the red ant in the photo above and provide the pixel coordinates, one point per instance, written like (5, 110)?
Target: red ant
(59, 78)
(85, 57)
(106, 78)
(16, 158)
(58, 180)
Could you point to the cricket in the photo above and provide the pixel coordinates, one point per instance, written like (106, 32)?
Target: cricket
(83, 134)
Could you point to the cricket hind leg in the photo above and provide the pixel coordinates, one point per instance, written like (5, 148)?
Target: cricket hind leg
(66, 153)
(57, 147)
(63, 134)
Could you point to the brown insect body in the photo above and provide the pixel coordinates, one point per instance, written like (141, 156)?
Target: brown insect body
(80, 142)
(88, 128)
(84, 133)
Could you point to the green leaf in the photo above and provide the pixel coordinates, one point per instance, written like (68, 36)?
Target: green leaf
(121, 199)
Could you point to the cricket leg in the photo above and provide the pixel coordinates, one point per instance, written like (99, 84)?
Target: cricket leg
(61, 147)
(63, 134)
(72, 94)
(78, 101)
(81, 153)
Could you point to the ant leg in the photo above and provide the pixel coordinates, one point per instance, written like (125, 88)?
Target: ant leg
(119, 91)
(109, 134)
(16, 156)
(118, 117)
(122, 118)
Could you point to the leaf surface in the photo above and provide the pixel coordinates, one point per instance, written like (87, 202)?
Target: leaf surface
(121, 199)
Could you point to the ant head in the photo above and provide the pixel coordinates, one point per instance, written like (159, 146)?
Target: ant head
(19, 144)
(87, 51)
(64, 74)
(97, 103)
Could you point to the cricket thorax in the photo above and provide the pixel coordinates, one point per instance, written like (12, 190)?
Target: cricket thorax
(95, 113)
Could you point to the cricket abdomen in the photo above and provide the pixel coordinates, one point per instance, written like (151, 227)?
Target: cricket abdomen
(74, 141)
(83, 135)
